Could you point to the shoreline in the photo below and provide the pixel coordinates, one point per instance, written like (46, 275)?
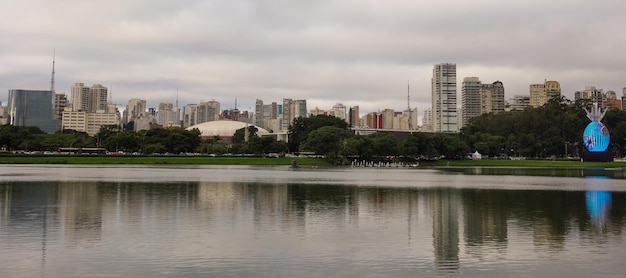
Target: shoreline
(300, 161)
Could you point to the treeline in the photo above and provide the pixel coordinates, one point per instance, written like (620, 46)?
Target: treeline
(553, 130)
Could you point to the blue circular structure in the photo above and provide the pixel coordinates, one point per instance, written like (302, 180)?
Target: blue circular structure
(596, 137)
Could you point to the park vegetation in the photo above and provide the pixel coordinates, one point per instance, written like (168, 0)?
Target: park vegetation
(551, 131)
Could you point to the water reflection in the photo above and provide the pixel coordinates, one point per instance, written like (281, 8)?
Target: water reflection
(616, 173)
(598, 204)
(263, 229)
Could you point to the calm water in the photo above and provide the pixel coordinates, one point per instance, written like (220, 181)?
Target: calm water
(187, 221)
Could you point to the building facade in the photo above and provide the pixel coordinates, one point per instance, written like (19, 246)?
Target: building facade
(354, 119)
(519, 102)
(190, 115)
(444, 100)
(470, 99)
(168, 115)
(492, 98)
(90, 122)
(541, 93)
(292, 109)
(209, 111)
(134, 109)
(32, 108)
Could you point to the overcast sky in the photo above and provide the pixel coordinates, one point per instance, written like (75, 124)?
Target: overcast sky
(356, 52)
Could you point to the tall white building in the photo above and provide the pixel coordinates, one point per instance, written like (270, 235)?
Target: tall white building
(168, 115)
(292, 109)
(208, 111)
(470, 98)
(444, 109)
(339, 110)
(80, 97)
(134, 109)
(190, 115)
(427, 120)
(89, 99)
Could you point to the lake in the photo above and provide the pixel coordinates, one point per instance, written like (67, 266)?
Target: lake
(255, 221)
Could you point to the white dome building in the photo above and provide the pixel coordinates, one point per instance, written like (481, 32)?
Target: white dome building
(223, 128)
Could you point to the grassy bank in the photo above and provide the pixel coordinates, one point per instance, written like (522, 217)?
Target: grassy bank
(524, 163)
(301, 161)
(182, 160)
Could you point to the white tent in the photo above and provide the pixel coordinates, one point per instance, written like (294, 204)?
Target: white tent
(476, 156)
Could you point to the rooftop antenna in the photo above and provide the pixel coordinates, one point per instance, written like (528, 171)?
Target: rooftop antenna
(52, 84)
(408, 96)
(408, 104)
(52, 79)
(176, 97)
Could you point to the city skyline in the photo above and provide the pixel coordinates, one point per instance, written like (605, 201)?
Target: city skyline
(325, 52)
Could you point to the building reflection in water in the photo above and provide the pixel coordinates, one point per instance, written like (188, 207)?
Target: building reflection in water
(446, 206)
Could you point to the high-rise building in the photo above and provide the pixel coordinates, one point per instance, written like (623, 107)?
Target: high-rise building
(89, 99)
(209, 111)
(292, 109)
(553, 89)
(134, 109)
(266, 115)
(492, 98)
(80, 97)
(541, 93)
(60, 102)
(190, 115)
(444, 109)
(354, 116)
(427, 120)
(470, 99)
(339, 110)
(591, 93)
(98, 98)
(32, 108)
(4, 114)
(388, 116)
(168, 115)
(258, 112)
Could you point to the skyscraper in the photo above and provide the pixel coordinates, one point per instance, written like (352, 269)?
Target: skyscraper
(470, 98)
(190, 115)
(354, 116)
(208, 111)
(444, 110)
(89, 99)
(80, 97)
(292, 109)
(32, 108)
(134, 109)
(168, 115)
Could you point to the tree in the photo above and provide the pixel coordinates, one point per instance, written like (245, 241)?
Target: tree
(326, 140)
(301, 127)
(240, 136)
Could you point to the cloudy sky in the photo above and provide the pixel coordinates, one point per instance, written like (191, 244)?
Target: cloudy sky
(357, 52)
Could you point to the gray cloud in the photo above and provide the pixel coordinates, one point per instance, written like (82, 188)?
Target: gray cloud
(355, 52)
